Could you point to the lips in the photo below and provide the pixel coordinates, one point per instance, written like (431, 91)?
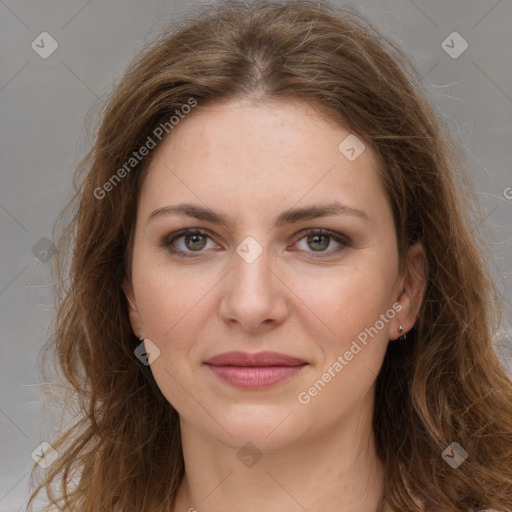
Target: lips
(255, 371)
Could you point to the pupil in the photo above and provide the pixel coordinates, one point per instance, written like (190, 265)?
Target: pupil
(315, 239)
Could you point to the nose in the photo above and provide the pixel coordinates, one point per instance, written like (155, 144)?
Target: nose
(254, 297)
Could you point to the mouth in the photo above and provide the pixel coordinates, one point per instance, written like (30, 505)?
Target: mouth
(255, 371)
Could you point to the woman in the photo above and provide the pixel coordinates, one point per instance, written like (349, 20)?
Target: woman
(276, 297)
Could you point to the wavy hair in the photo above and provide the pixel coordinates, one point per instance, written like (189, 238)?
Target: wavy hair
(445, 383)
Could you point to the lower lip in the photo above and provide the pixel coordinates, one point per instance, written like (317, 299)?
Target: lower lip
(255, 377)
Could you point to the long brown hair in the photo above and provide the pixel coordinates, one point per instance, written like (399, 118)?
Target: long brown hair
(443, 384)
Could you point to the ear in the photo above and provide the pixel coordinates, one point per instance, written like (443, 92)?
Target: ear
(412, 290)
(133, 311)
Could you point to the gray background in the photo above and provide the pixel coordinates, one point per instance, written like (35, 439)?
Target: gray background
(44, 104)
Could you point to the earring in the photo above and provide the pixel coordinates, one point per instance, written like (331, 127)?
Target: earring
(400, 331)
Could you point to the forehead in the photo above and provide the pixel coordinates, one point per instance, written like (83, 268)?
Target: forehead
(255, 154)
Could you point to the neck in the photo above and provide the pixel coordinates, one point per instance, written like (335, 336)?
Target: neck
(335, 471)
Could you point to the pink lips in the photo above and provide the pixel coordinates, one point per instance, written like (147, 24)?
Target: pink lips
(255, 371)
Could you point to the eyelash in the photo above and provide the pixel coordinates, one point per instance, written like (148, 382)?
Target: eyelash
(337, 237)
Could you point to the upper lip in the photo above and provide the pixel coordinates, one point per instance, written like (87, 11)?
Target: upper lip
(258, 359)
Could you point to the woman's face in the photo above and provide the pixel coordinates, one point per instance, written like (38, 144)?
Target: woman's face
(292, 250)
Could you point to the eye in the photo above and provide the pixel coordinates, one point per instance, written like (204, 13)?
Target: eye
(187, 242)
(319, 240)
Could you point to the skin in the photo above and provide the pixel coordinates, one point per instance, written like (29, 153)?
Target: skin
(250, 162)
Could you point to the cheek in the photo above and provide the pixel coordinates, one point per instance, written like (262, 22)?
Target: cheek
(164, 294)
(350, 304)
(349, 299)
(172, 310)
(168, 304)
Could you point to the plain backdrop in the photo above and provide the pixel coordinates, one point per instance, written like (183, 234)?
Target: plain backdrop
(46, 99)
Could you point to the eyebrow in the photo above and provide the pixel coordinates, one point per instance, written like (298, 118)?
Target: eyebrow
(287, 217)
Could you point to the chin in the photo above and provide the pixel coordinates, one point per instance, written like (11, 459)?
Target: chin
(267, 427)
